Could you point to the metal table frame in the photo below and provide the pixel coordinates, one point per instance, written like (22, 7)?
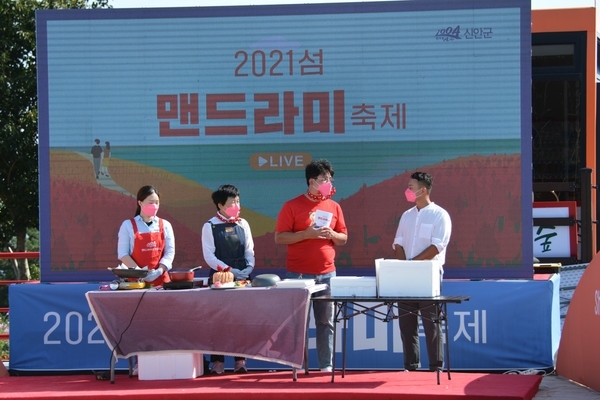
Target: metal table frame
(349, 307)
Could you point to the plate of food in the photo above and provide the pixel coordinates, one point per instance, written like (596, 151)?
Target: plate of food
(229, 285)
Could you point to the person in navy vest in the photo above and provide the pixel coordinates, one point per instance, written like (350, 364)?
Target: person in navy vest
(227, 243)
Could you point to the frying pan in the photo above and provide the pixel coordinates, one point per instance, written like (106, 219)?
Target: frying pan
(129, 272)
(183, 275)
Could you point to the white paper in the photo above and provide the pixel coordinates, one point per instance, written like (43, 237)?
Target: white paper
(323, 218)
(295, 283)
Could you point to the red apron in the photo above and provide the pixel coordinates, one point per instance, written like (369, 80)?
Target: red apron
(148, 249)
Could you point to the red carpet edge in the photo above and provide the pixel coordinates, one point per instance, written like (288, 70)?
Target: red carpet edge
(276, 385)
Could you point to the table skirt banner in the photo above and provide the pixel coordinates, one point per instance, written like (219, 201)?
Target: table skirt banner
(506, 324)
(53, 329)
(262, 323)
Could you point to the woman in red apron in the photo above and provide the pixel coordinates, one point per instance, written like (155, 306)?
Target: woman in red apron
(146, 240)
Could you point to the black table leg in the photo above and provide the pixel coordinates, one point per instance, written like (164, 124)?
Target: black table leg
(335, 320)
(445, 308)
(113, 359)
(344, 334)
(439, 313)
(306, 351)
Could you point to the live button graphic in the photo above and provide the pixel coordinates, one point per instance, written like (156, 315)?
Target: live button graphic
(279, 161)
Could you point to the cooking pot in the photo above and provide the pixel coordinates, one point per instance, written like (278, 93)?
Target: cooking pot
(183, 275)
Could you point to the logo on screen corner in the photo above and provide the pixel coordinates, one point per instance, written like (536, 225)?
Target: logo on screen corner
(279, 161)
(449, 34)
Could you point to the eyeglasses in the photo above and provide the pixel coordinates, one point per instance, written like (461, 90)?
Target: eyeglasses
(320, 179)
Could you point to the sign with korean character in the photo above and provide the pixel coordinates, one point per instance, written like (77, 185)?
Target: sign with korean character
(555, 241)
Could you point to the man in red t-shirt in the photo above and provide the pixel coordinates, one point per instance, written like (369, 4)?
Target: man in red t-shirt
(311, 225)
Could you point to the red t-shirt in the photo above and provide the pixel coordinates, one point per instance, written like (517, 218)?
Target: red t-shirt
(310, 256)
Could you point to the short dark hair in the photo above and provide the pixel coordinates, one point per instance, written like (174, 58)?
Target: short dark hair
(144, 192)
(424, 178)
(316, 168)
(224, 192)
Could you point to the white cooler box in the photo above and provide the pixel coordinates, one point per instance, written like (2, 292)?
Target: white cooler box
(353, 286)
(399, 278)
(170, 365)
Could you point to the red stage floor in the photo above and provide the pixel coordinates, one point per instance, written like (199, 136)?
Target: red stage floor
(279, 385)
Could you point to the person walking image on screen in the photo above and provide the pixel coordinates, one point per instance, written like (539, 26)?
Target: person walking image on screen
(96, 157)
(312, 225)
(227, 244)
(147, 240)
(423, 234)
(105, 160)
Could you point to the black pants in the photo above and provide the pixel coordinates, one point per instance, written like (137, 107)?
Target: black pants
(218, 357)
(409, 331)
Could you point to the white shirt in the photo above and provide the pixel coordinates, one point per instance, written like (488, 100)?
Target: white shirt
(126, 239)
(208, 244)
(418, 229)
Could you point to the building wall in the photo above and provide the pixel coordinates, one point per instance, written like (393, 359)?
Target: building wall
(578, 20)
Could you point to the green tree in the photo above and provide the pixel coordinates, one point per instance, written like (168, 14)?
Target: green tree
(19, 198)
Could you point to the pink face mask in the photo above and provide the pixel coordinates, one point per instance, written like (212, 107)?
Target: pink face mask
(325, 188)
(411, 196)
(150, 209)
(233, 211)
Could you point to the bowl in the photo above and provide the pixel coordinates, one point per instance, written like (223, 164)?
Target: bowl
(265, 280)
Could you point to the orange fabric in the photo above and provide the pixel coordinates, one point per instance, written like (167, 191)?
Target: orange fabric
(578, 356)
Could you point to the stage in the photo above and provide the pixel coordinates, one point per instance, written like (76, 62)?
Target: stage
(266, 385)
(55, 338)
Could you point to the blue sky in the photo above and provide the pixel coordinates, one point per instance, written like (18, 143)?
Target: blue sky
(536, 4)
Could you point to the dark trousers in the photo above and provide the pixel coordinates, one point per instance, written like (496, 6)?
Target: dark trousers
(409, 331)
(219, 357)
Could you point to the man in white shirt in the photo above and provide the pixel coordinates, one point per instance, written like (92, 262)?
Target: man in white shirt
(423, 234)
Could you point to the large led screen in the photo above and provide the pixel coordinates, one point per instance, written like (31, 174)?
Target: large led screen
(192, 98)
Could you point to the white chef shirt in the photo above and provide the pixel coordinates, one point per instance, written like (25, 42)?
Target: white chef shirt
(418, 229)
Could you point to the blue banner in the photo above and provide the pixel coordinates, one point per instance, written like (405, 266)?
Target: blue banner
(506, 324)
(52, 329)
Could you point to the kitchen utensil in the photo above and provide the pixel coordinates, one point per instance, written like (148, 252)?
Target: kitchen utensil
(183, 275)
(128, 273)
(265, 280)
